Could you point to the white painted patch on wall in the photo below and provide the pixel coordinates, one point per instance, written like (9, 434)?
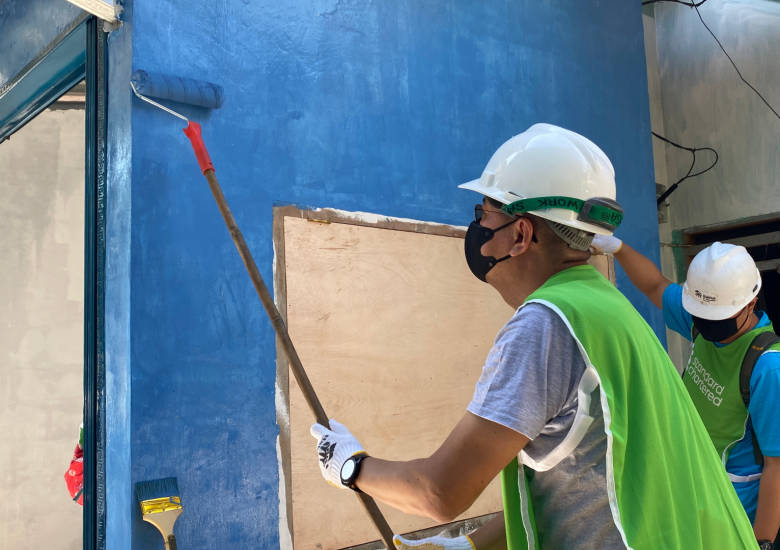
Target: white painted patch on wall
(285, 537)
(366, 217)
(283, 421)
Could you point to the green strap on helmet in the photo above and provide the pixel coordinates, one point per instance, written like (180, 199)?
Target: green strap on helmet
(598, 211)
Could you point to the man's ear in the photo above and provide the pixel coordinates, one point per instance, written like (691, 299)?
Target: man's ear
(523, 232)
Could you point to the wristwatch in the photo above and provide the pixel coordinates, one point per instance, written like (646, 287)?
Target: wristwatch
(350, 471)
(766, 545)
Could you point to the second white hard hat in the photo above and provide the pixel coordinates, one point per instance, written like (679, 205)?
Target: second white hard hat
(722, 279)
(551, 164)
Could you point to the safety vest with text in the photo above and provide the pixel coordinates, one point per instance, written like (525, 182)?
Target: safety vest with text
(666, 486)
(712, 378)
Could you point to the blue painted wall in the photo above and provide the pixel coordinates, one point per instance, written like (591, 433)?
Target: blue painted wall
(121, 504)
(381, 106)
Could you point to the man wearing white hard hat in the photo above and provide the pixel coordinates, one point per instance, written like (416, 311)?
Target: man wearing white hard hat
(577, 387)
(733, 375)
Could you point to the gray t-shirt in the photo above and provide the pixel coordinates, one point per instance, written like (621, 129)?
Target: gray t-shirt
(529, 384)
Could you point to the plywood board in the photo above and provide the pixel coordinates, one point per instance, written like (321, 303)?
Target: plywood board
(393, 331)
(604, 264)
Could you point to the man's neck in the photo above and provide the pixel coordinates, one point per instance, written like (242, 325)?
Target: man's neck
(517, 292)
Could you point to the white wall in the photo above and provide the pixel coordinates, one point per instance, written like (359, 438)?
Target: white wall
(704, 103)
(41, 328)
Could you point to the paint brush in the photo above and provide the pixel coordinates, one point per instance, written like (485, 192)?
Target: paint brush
(161, 506)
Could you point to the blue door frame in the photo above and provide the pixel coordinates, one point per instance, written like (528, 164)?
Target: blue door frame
(79, 52)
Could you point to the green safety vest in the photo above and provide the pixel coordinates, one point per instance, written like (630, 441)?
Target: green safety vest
(667, 489)
(712, 380)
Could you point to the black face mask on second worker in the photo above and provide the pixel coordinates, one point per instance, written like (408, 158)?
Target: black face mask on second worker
(719, 330)
(476, 236)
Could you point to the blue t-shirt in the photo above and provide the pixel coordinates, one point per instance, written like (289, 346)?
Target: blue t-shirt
(763, 408)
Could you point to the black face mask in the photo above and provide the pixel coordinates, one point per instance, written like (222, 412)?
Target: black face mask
(476, 236)
(717, 331)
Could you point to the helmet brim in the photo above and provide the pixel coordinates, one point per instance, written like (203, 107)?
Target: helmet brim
(558, 215)
(492, 192)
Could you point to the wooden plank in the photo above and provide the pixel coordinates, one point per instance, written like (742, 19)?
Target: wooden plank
(730, 224)
(363, 219)
(748, 242)
(768, 265)
(282, 389)
(393, 331)
(450, 531)
(605, 264)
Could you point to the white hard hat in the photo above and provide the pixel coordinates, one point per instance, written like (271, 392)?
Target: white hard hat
(722, 279)
(550, 164)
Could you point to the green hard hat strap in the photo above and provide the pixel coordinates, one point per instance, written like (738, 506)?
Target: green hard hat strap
(598, 211)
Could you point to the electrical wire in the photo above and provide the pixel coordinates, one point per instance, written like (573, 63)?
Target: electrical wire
(693, 151)
(695, 5)
(689, 4)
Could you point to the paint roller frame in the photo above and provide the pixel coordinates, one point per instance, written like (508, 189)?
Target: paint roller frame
(208, 100)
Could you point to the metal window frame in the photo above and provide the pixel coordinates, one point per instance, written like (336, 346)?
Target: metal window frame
(94, 289)
(79, 52)
(41, 82)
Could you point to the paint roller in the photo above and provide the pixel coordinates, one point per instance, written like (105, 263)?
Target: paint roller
(176, 88)
(211, 96)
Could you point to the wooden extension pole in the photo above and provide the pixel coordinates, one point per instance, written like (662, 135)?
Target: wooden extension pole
(289, 350)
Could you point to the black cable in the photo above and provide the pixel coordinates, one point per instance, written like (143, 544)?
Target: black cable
(693, 151)
(689, 4)
(696, 7)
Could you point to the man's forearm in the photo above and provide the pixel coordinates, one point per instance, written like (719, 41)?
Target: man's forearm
(767, 521)
(406, 486)
(643, 273)
(446, 483)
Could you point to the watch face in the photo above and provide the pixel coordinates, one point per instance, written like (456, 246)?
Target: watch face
(348, 469)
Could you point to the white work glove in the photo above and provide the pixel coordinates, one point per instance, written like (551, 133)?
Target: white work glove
(334, 447)
(606, 244)
(434, 543)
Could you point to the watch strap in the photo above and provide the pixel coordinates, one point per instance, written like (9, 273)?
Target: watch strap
(351, 482)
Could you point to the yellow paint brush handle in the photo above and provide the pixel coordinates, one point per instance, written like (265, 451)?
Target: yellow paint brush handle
(164, 521)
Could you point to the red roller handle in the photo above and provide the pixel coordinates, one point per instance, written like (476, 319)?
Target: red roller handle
(192, 131)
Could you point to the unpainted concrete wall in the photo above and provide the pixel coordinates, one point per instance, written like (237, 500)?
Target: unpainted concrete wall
(705, 104)
(41, 334)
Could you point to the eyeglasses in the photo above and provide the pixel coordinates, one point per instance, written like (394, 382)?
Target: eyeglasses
(479, 212)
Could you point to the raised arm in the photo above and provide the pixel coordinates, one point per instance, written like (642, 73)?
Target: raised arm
(642, 272)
